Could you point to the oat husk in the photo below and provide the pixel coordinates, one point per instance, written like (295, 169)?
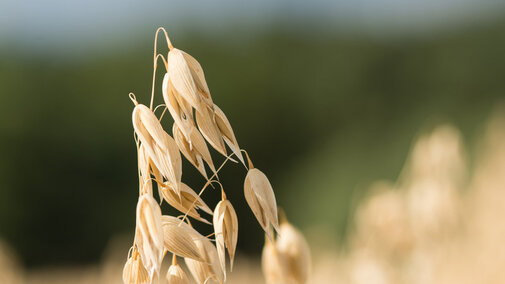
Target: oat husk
(188, 201)
(261, 199)
(226, 231)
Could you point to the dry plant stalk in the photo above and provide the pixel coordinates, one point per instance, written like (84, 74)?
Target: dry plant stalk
(196, 122)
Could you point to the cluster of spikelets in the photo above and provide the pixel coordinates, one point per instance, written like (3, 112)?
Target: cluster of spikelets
(401, 230)
(197, 121)
(437, 224)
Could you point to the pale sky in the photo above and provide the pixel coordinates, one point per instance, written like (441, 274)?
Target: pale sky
(55, 24)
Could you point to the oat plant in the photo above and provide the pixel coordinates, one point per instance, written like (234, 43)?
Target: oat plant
(197, 123)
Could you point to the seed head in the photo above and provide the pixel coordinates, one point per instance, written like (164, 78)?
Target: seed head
(226, 131)
(295, 251)
(159, 146)
(182, 79)
(206, 120)
(261, 199)
(179, 109)
(208, 269)
(286, 260)
(175, 274)
(226, 231)
(150, 233)
(180, 238)
(134, 271)
(273, 265)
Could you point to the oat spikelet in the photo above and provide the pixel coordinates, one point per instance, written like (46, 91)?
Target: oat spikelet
(199, 270)
(182, 79)
(226, 231)
(261, 199)
(187, 202)
(199, 78)
(179, 109)
(181, 239)
(208, 127)
(175, 274)
(295, 253)
(227, 133)
(287, 259)
(134, 271)
(150, 233)
(208, 269)
(159, 146)
(194, 149)
(272, 264)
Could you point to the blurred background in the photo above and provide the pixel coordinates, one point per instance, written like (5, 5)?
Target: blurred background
(326, 96)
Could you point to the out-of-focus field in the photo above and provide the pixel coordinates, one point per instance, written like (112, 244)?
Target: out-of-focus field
(380, 145)
(439, 222)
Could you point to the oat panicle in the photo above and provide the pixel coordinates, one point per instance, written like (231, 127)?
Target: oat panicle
(197, 121)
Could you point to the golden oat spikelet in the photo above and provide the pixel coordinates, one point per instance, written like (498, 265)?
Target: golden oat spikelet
(206, 121)
(159, 146)
(181, 239)
(287, 259)
(150, 233)
(227, 133)
(272, 264)
(199, 78)
(182, 79)
(175, 274)
(226, 230)
(210, 267)
(295, 252)
(134, 271)
(199, 270)
(188, 201)
(179, 109)
(211, 259)
(260, 197)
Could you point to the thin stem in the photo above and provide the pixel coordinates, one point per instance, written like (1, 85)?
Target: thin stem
(170, 46)
(206, 184)
(155, 63)
(223, 195)
(156, 56)
(163, 113)
(248, 159)
(164, 110)
(133, 98)
(174, 259)
(160, 105)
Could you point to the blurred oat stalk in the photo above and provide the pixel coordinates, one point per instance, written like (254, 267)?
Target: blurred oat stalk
(437, 224)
